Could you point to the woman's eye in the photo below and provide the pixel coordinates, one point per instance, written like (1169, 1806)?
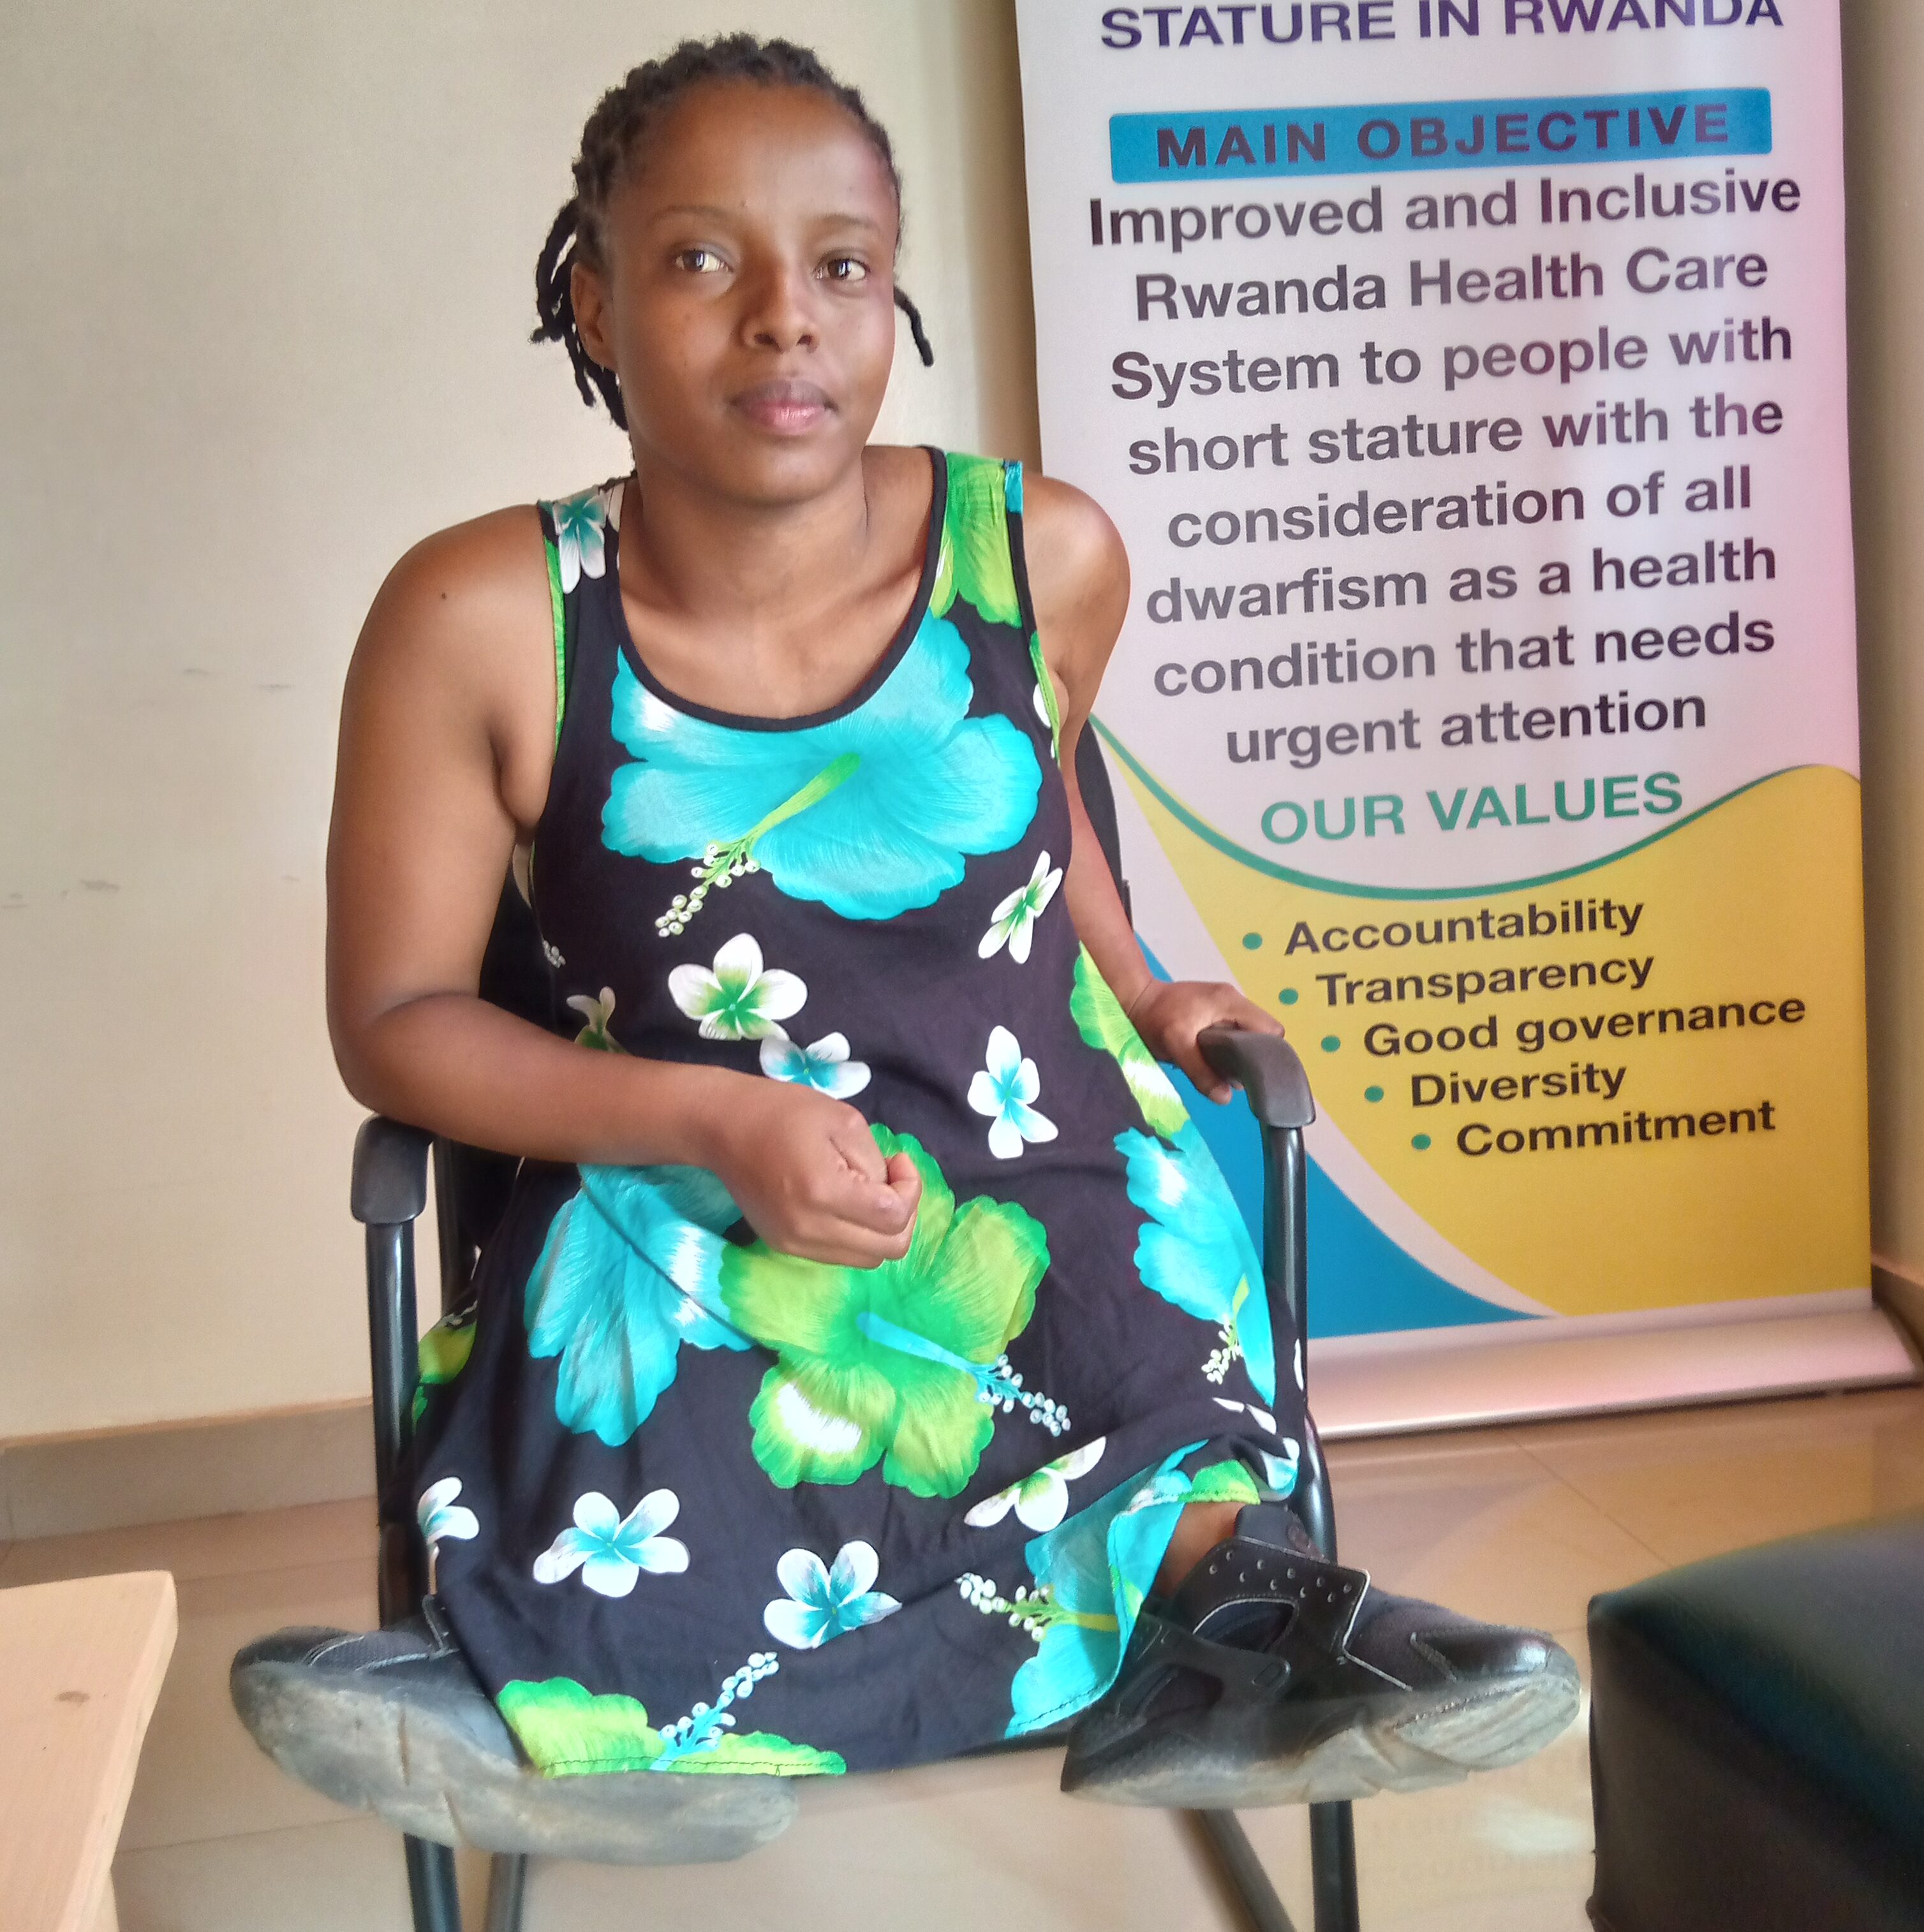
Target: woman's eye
(845, 269)
(698, 261)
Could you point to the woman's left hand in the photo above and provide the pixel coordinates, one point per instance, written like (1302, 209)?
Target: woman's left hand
(1169, 1014)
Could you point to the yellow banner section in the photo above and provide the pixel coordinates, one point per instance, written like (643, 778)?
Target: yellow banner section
(1638, 1086)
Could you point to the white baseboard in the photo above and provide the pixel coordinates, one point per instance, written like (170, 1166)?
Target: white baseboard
(1395, 1385)
(1374, 1385)
(54, 1485)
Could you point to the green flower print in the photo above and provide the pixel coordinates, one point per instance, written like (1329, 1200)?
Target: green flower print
(445, 1349)
(567, 1731)
(1195, 1251)
(1100, 1020)
(739, 999)
(974, 562)
(901, 1364)
(1013, 923)
(595, 1014)
(871, 814)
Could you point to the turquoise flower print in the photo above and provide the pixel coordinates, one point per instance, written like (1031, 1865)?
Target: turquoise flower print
(1281, 1466)
(581, 525)
(1195, 1251)
(1003, 1091)
(629, 1273)
(1041, 1500)
(595, 1014)
(611, 1550)
(1013, 923)
(822, 1602)
(871, 814)
(825, 1065)
(739, 999)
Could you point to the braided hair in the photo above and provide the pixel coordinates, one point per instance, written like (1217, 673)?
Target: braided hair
(621, 118)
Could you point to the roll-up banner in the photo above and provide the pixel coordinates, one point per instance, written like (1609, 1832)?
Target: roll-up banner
(1466, 378)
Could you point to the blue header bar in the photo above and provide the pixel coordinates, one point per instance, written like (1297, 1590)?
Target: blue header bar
(1556, 130)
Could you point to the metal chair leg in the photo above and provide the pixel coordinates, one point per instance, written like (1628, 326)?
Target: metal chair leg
(507, 1890)
(1241, 1872)
(432, 1888)
(1332, 1867)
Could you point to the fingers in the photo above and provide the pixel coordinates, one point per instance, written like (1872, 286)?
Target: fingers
(861, 1218)
(905, 1180)
(856, 1143)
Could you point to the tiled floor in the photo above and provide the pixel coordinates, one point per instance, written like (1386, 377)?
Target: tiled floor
(1523, 1524)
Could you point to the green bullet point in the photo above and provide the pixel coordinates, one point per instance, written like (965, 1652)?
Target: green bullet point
(1419, 1142)
(1252, 940)
(1373, 1093)
(1330, 1042)
(1288, 996)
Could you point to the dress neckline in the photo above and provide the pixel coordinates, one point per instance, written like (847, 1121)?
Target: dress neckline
(878, 674)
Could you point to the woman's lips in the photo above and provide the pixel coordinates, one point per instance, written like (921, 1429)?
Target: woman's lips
(785, 407)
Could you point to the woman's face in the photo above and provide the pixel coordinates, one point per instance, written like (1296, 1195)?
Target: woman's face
(746, 298)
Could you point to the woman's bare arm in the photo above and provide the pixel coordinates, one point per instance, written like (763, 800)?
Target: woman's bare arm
(447, 730)
(1078, 577)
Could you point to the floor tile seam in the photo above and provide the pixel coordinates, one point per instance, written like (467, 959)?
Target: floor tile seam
(352, 1818)
(184, 1581)
(1611, 1516)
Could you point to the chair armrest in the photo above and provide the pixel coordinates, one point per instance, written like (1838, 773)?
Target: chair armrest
(389, 1188)
(1265, 1066)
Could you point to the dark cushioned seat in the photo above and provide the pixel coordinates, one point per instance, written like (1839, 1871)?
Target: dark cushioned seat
(1756, 1739)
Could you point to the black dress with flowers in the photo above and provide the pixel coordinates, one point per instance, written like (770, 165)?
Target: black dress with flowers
(696, 1505)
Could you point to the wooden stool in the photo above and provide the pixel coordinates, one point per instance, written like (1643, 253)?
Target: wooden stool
(80, 1667)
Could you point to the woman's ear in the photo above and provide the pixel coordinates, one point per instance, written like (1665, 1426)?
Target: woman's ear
(589, 294)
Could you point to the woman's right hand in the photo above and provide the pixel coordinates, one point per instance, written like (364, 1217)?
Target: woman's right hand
(806, 1170)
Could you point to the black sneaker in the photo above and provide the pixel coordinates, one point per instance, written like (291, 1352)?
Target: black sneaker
(394, 1721)
(1273, 1677)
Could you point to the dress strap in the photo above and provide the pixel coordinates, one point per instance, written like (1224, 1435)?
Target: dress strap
(983, 560)
(574, 531)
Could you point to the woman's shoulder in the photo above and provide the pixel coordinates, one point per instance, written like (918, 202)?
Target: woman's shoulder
(471, 595)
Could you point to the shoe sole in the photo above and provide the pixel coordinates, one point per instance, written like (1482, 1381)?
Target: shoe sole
(1352, 1748)
(422, 1772)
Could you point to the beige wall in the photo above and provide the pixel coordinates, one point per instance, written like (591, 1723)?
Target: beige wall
(267, 284)
(1883, 56)
(267, 290)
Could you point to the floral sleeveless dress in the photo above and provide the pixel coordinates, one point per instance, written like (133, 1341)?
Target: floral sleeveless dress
(694, 1505)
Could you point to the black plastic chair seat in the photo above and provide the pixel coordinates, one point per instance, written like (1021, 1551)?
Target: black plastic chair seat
(1756, 1739)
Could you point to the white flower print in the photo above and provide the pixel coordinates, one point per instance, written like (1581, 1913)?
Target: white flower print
(1299, 1365)
(552, 954)
(825, 1065)
(738, 1000)
(440, 1517)
(1264, 1419)
(609, 1550)
(581, 533)
(823, 1603)
(1041, 1500)
(1003, 1091)
(1013, 923)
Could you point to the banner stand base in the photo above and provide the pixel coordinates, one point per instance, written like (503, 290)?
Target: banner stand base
(1392, 1385)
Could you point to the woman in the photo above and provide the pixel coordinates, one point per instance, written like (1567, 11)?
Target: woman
(871, 1363)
